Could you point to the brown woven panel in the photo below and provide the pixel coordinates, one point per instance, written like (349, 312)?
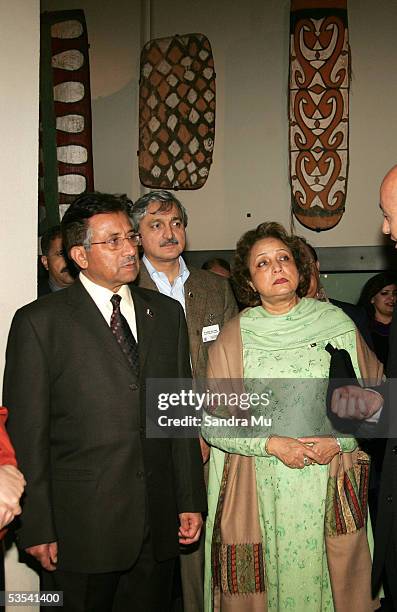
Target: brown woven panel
(176, 112)
(319, 111)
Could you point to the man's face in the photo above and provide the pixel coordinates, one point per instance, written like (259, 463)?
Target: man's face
(103, 265)
(388, 204)
(163, 234)
(56, 265)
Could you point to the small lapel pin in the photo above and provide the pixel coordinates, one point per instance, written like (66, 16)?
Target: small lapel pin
(149, 312)
(190, 294)
(211, 317)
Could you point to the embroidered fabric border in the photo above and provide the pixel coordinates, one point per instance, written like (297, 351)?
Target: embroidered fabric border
(237, 569)
(347, 499)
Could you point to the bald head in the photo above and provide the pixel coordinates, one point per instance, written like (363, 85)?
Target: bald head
(388, 203)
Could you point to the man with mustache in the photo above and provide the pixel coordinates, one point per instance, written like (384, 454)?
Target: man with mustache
(105, 505)
(208, 302)
(53, 260)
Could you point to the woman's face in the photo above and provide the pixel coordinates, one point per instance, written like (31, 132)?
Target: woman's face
(273, 272)
(384, 301)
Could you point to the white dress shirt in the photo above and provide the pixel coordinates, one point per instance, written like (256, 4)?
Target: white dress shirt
(102, 296)
(176, 289)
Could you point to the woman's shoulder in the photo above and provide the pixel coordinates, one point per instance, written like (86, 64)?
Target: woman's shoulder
(331, 315)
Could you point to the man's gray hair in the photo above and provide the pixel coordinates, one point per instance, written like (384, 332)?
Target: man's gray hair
(163, 198)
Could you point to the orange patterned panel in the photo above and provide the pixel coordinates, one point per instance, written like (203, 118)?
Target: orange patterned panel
(319, 111)
(176, 112)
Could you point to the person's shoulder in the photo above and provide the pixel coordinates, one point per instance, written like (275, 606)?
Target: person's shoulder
(155, 298)
(328, 310)
(51, 302)
(232, 328)
(207, 280)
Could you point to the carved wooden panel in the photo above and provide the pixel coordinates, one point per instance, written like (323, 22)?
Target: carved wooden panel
(66, 167)
(176, 112)
(319, 111)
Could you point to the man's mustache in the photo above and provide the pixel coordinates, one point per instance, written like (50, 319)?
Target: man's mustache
(129, 259)
(170, 241)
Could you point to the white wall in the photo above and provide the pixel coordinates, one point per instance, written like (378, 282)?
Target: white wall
(19, 57)
(250, 172)
(250, 40)
(19, 94)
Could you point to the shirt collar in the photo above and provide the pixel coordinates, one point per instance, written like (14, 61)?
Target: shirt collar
(102, 295)
(153, 273)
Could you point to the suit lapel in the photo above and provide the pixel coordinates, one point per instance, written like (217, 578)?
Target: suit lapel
(145, 323)
(144, 279)
(88, 314)
(195, 303)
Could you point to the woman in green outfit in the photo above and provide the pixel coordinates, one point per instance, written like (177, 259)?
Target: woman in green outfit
(286, 528)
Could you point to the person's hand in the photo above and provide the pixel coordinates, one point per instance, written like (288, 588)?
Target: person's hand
(12, 484)
(352, 402)
(46, 555)
(292, 452)
(325, 447)
(205, 450)
(190, 527)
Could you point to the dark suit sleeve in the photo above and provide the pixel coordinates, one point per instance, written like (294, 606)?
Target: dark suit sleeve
(188, 467)
(26, 394)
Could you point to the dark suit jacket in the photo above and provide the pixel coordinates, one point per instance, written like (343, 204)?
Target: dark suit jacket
(77, 420)
(386, 526)
(43, 287)
(209, 301)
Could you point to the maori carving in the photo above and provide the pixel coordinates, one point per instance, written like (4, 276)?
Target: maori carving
(66, 165)
(319, 111)
(176, 112)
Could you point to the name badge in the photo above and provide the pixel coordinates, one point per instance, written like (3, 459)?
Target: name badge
(210, 333)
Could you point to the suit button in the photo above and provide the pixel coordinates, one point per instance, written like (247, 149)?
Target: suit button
(394, 450)
(389, 499)
(140, 475)
(133, 387)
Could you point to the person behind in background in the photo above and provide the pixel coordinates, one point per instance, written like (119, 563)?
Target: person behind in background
(105, 504)
(317, 291)
(271, 517)
(208, 302)
(217, 265)
(378, 297)
(54, 261)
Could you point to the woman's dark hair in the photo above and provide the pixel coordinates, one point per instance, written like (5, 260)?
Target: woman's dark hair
(240, 271)
(372, 287)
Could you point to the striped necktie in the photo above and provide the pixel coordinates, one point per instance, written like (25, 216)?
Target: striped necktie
(123, 334)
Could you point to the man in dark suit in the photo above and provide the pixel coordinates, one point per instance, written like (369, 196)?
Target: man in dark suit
(104, 503)
(356, 403)
(208, 302)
